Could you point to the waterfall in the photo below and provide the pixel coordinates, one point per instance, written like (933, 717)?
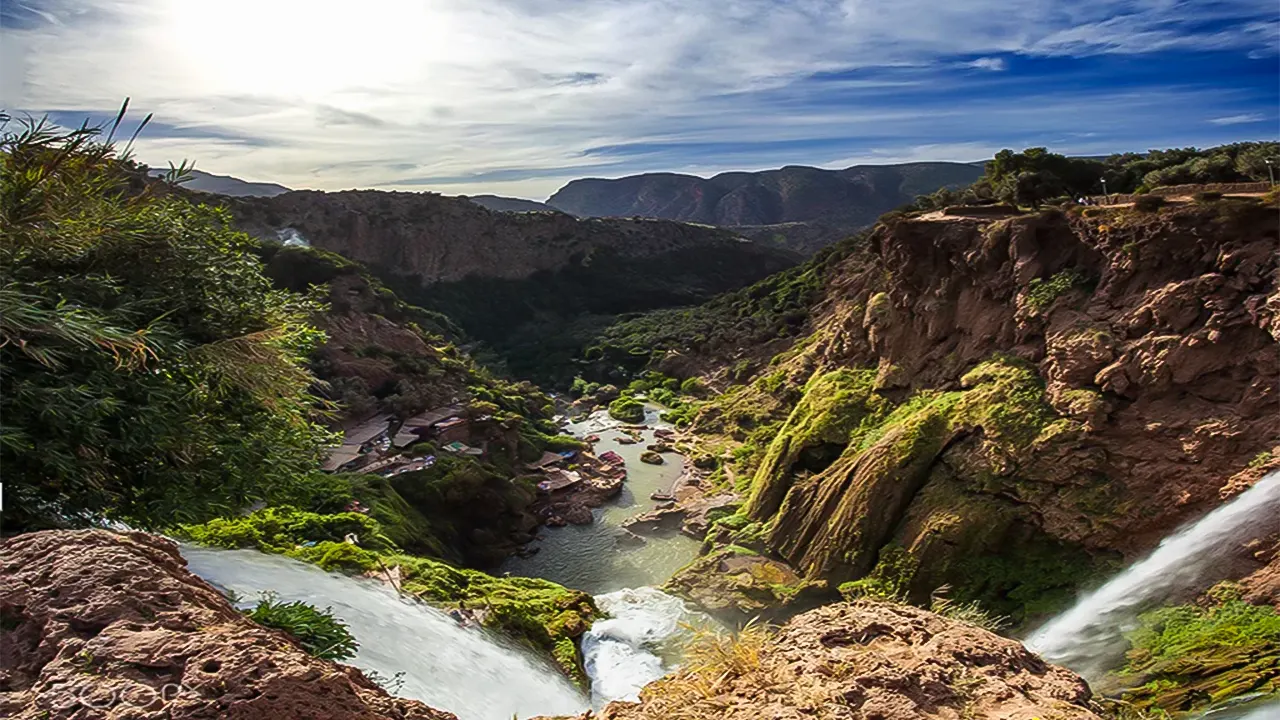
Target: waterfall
(620, 652)
(1089, 638)
(468, 672)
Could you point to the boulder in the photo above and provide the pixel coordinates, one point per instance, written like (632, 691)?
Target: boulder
(867, 661)
(651, 457)
(106, 625)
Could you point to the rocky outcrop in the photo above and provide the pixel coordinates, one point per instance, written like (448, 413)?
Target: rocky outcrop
(517, 281)
(105, 625)
(438, 239)
(736, 586)
(1020, 404)
(865, 661)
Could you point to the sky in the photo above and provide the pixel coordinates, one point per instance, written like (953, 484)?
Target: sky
(517, 97)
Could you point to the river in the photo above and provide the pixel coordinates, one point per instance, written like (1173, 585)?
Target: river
(476, 674)
(590, 557)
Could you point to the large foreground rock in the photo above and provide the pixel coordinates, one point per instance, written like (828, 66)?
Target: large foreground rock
(105, 625)
(868, 661)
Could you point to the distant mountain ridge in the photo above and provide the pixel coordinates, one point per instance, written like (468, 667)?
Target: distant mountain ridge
(509, 204)
(201, 181)
(840, 199)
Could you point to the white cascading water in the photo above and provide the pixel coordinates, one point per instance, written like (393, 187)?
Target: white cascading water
(1089, 638)
(618, 652)
(468, 672)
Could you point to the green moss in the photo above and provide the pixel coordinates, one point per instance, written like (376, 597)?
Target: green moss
(277, 529)
(627, 409)
(1261, 459)
(539, 613)
(832, 407)
(1187, 657)
(889, 580)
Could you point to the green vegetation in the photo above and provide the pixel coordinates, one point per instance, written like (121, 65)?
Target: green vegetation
(1035, 175)
(627, 409)
(151, 372)
(318, 631)
(776, 307)
(1041, 293)
(1190, 656)
(1148, 203)
(840, 418)
(889, 580)
(540, 613)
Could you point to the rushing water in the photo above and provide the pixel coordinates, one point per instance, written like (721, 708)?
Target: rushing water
(620, 652)
(590, 557)
(1089, 638)
(468, 672)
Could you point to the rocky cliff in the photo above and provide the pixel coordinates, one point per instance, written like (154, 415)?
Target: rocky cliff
(1011, 407)
(518, 281)
(437, 239)
(105, 625)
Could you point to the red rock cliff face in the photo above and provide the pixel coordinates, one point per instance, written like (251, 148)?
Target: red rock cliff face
(440, 239)
(105, 625)
(1151, 345)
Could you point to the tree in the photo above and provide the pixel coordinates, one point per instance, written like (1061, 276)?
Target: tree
(1029, 188)
(1251, 161)
(148, 371)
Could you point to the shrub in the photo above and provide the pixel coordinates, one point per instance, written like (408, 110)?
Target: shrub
(152, 374)
(317, 631)
(1148, 203)
(1041, 293)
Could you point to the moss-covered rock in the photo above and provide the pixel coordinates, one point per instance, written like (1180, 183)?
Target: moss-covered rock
(852, 479)
(1188, 657)
(539, 613)
(627, 409)
(735, 584)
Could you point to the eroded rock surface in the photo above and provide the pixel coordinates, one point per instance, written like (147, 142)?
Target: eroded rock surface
(869, 661)
(105, 625)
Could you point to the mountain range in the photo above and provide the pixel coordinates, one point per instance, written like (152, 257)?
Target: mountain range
(852, 197)
(798, 208)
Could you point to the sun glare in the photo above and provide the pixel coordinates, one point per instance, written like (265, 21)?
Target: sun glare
(309, 49)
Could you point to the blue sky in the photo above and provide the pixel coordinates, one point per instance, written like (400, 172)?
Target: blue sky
(517, 97)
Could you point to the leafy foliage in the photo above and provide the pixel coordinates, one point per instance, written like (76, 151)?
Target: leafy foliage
(318, 631)
(775, 307)
(150, 371)
(1031, 177)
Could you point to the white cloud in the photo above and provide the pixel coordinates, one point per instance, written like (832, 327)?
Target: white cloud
(1238, 119)
(339, 95)
(993, 64)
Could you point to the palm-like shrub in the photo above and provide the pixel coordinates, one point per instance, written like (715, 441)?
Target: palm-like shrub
(148, 370)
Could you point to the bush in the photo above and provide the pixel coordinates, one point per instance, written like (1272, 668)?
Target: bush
(1148, 203)
(317, 631)
(152, 374)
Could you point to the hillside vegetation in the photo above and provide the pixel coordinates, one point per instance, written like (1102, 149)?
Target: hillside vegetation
(157, 372)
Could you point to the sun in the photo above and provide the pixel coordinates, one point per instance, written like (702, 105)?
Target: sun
(308, 50)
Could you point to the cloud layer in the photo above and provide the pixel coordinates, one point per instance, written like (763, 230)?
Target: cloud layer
(517, 96)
